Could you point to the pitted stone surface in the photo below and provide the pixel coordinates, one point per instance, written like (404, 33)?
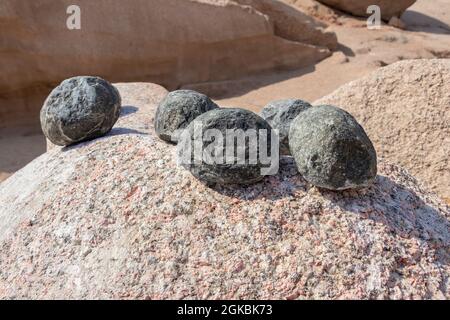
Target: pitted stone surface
(79, 109)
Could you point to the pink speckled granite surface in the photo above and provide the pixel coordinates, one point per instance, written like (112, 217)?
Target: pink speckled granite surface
(116, 218)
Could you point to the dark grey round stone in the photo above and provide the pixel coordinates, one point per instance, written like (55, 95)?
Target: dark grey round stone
(234, 169)
(280, 114)
(177, 110)
(79, 109)
(332, 150)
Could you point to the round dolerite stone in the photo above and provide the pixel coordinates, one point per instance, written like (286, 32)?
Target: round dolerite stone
(280, 114)
(228, 146)
(332, 150)
(80, 109)
(177, 110)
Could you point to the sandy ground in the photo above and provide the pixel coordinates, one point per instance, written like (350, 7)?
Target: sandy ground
(361, 51)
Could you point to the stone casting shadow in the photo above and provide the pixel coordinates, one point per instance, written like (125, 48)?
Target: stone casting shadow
(420, 22)
(232, 88)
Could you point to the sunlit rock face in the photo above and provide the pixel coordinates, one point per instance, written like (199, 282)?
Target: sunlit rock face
(170, 42)
(404, 108)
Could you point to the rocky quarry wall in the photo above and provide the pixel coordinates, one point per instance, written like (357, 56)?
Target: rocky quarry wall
(170, 42)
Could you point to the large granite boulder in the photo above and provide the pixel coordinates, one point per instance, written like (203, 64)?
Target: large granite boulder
(116, 217)
(332, 150)
(405, 110)
(294, 24)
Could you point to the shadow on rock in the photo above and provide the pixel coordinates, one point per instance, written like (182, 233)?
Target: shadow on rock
(232, 88)
(400, 209)
(420, 22)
